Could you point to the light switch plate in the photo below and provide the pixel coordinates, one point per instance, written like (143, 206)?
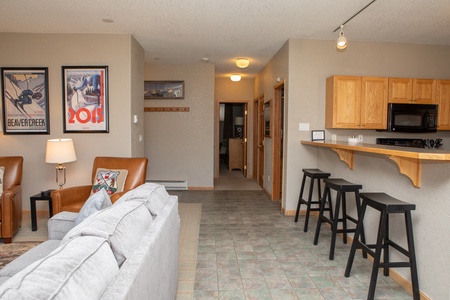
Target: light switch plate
(303, 126)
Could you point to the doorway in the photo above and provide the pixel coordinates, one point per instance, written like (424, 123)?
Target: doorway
(258, 140)
(232, 138)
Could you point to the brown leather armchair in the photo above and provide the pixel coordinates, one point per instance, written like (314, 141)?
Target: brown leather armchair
(11, 199)
(72, 198)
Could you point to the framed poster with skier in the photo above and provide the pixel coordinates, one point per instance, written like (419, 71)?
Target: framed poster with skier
(25, 101)
(85, 97)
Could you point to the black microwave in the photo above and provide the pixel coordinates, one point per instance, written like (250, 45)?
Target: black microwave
(412, 117)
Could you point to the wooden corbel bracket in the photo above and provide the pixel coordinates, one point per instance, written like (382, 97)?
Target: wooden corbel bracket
(346, 156)
(410, 167)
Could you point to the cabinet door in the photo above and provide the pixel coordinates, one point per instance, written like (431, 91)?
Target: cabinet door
(443, 102)
(343, 101)
(409, 90)
(400, 90)
(374, 102)
(423, 91)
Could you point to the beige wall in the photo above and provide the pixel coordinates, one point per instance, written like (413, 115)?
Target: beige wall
(137, 102)
(180, 145)
(264, 85)
(310, 63)
(234, 92)
(54, 51)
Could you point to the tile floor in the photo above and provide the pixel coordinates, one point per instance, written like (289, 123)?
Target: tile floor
(248, 250)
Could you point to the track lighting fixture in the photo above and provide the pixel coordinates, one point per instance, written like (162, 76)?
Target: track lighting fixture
(341, 42)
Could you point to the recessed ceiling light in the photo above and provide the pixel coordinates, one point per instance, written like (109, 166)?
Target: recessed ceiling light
(108, 20)
(242, 63)
(235, 77)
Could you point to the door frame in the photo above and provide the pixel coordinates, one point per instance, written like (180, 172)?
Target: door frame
(258, 140)
(216, 133)
(277, 146)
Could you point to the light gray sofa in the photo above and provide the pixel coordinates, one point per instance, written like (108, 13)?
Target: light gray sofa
(126, 251)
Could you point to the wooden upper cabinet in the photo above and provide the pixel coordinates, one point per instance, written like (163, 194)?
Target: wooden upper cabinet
(412, 90)
(343, 100)
(374, 102)
(356, 102)
(443, 102)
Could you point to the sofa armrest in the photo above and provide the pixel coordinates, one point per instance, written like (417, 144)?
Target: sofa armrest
(60, 224)
(63, 199)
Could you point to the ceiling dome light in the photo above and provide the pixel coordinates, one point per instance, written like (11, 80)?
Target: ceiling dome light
(235, 77)
(242, 63)
(341, 42)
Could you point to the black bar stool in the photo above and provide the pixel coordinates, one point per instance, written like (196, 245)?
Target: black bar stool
(342, 187)
(313, 174)
(386, 205)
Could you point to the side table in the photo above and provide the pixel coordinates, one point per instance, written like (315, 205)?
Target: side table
(38, 197)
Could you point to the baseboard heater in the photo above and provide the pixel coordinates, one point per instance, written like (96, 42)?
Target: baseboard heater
(172, 184)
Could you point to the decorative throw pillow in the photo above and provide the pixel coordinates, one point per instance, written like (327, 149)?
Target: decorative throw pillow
(113, 181)
(153, 195)
(2, 172)
(96, 202)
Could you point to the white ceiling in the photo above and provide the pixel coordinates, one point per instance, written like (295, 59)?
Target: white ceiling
(184, 31)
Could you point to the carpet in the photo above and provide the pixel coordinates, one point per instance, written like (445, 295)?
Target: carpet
(9, 252)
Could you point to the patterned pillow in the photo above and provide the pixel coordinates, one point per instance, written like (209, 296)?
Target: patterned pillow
(113, 181)
(2, 172)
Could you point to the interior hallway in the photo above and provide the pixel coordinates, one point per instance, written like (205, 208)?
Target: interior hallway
(234, 180)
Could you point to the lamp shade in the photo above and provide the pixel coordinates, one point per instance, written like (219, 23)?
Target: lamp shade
(60, 151)
(242, 63)
(239, 121)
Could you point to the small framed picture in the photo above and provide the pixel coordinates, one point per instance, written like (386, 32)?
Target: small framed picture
(164, 90)
(267, 109)
(318, 135)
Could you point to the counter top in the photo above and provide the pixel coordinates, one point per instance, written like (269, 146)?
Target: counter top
(409, 160)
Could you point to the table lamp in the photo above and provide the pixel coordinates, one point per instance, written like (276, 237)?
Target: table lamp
(238, 126)
(60, 151)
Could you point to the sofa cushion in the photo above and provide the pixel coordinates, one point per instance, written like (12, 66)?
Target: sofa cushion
(81, 269)
(2, 173)
(121, 224)
(113, 181)
(96, 202)
(60, 224)
(153, 195)
(29, 257)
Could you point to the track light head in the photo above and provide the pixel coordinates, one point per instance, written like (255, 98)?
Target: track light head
(341, 42)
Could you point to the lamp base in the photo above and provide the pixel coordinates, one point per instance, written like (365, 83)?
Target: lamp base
(60, 176)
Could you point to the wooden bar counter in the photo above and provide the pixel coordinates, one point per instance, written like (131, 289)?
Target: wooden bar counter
(408, 160)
